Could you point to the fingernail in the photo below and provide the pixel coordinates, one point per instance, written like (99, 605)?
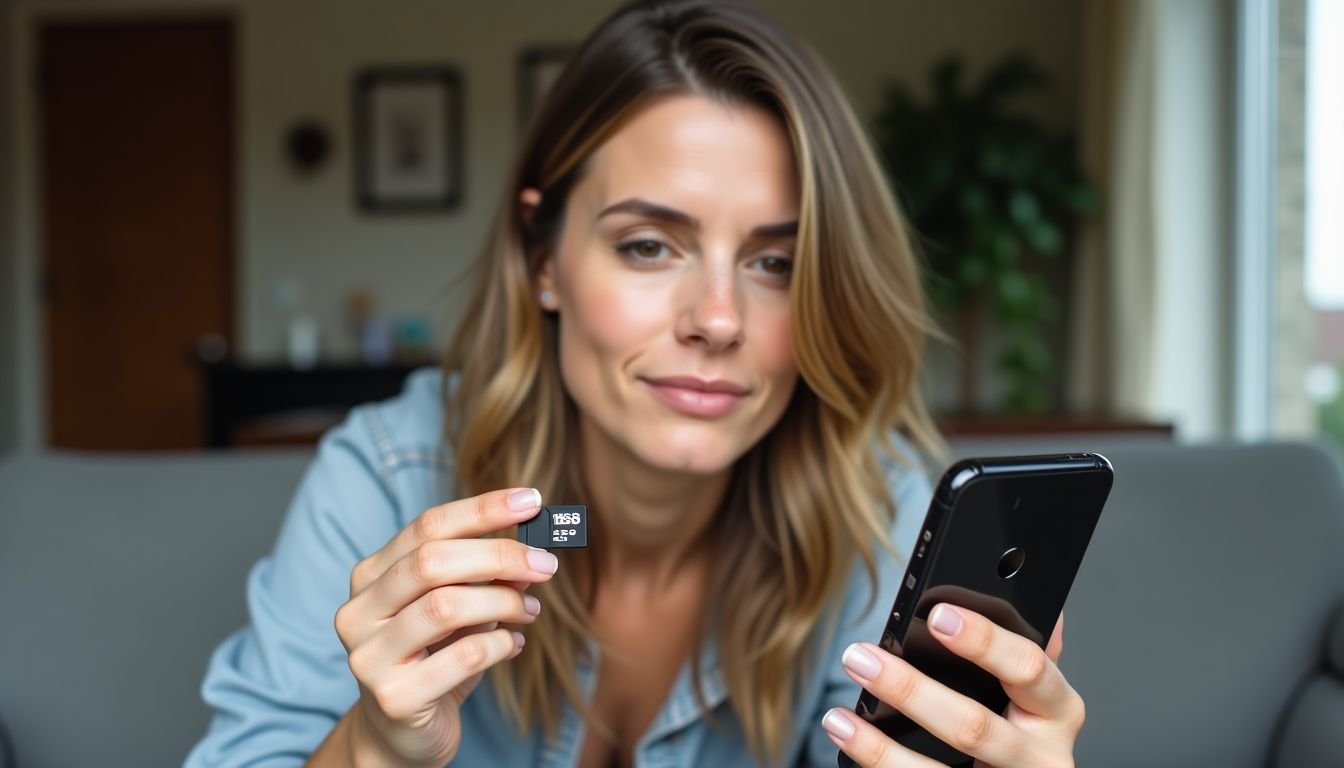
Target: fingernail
(518, 641)
(945, 620)
(542, 561)
(837, 725)
(522, 501)
(861, 662)
(532, 605)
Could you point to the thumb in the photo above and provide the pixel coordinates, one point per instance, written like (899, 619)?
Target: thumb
(1056, 645)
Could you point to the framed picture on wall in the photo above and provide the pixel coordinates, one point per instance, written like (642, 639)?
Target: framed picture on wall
(538, 68)
(408, 138)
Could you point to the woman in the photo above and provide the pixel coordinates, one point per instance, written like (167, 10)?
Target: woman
(698, 313)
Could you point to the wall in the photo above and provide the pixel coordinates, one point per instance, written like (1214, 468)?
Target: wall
(296, 60)
(296, 229)
(9, 362)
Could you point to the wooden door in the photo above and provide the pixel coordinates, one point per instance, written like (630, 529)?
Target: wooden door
(135, 128)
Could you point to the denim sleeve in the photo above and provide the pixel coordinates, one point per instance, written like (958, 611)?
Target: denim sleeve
(864, 615)
(278, 686)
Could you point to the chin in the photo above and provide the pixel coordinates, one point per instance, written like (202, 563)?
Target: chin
(696, 452)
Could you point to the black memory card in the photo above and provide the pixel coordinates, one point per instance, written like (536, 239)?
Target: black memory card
(555, 527)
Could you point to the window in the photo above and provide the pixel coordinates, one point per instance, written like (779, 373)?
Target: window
(1324, 213)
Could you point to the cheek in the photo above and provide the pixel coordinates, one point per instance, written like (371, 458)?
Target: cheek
(775, 345)
(609, 319)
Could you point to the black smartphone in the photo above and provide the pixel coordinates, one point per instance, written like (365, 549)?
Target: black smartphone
(1003, 537)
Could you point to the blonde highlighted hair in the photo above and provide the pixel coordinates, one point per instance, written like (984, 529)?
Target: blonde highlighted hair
(810, 499)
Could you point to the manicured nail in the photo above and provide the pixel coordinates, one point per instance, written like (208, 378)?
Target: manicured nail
(945, 620)
(861, 662)
(522, 501)
(542, 561)
(532, 605)
(518, 641)
(837, 725)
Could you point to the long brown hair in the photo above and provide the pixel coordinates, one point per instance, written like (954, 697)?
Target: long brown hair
(810, 498)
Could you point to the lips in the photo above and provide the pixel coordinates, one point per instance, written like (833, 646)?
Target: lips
(700, 385)
(696, 397)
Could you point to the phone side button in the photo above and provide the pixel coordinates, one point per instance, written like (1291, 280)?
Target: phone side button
(888, 640)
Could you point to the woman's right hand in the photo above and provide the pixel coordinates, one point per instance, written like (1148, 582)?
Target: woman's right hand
(422, 623)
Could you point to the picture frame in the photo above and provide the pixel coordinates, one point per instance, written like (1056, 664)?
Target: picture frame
(538, 68)
(408, 138)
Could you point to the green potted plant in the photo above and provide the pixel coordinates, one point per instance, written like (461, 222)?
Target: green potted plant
(991, 194)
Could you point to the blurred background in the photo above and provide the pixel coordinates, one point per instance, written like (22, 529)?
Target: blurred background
(223, 223)
(226, 222)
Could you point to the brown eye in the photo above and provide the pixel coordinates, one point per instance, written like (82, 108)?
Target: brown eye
(643, 250)
(778, 266)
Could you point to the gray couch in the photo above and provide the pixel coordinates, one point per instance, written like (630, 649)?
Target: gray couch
(1199, 631)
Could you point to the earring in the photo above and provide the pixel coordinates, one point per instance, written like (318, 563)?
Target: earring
(547, 297)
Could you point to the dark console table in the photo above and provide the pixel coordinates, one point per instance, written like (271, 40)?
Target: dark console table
(274, 404)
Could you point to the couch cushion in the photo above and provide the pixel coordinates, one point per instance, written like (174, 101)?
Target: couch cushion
(1204, 599)
(1335, 645)
(1312, 733)
(118, 575)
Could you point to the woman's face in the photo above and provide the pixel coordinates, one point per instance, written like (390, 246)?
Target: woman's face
(671, 281)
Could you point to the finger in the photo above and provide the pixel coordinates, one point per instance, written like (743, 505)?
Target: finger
(1028, 675)
(1055, 647)
(412, 689)
(463, 519)
(441, 612)
(963, 723)
(868, 746)
(473, 654)
(464, 631)
(437, 564)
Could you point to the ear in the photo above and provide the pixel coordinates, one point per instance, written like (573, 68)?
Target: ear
(543, 282)
(528, 200)
(543, 285)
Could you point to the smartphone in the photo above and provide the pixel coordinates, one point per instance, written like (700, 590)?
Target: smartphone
(1003, 537)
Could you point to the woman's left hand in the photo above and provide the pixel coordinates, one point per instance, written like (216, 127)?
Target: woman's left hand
(1038, 728)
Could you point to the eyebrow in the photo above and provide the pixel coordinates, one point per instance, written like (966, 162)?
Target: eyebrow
(648, 210)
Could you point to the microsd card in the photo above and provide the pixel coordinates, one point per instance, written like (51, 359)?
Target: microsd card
(555, 527)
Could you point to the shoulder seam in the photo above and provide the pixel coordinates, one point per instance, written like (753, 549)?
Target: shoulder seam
(383, 444)
(391, 457)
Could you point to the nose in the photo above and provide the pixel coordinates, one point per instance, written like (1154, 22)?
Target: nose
(712, 314)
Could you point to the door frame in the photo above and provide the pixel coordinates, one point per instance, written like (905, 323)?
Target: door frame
(26, 21)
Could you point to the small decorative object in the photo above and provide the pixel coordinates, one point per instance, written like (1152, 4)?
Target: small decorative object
(304, 346)
(990, 194)
(412, 343)
(408, 139)
(538, 68)
(377, 348)
(308, 144)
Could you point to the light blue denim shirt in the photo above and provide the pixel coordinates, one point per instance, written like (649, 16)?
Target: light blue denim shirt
(279, 685)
